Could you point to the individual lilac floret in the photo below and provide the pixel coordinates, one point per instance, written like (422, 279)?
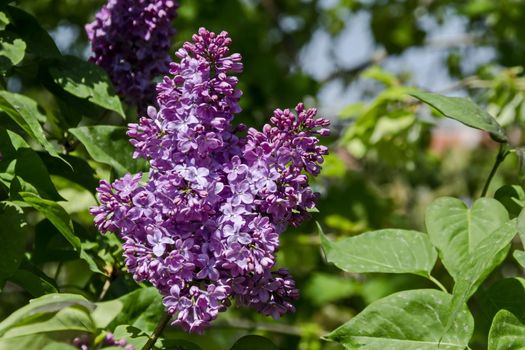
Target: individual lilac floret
(130, 39)
(204, 228)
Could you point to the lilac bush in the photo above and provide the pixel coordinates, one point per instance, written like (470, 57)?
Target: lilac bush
(130, 39)
(204, 228)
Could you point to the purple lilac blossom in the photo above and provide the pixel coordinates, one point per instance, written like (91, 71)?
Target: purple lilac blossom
(204, 228)
(130, 39)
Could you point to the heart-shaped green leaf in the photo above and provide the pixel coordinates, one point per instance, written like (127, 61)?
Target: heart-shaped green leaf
(408, 320)
(456, 231)
(388, 251)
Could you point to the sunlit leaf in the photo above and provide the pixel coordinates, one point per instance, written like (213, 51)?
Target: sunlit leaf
(37, 39)
(507, 332)
(388, 251)
(409, 320)
(24, 111)
(141, 308)
(12, 50)
(109, 145)
(465, 111)
(457, 231)
(86, 80)
(49, 303)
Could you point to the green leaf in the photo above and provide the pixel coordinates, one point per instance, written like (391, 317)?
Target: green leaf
(106, 312)
(464, 111)
(62, 221)
(20, 160)
(253, 342)
(109, 145)
(457, 231)
(44, 329)
(50, 245)
(13, 235)
(519, 256)
(86, 80)
(46, 304)
(78, 171)
(56, 214)
(387, 251)
(408, 320)
(24, 111)
(507, 332)
(31, 282)
(71, 318)
(37, 39)
(488, 255)
(521, 226)
(133, 335)
(141, 308)
(12, 50)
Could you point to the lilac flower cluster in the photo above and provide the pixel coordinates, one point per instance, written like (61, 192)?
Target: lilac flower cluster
(82, 342)
(130, 39)
(204, 228)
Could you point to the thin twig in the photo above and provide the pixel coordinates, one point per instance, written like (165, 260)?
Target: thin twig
(163, 322)
(502, 153)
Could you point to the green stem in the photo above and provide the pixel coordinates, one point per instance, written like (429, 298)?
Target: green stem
(437, 283)
(163, 322)
(502, 153)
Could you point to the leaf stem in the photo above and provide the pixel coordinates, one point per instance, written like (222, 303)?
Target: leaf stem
(502, 153)
(437, 283)
(163, 322)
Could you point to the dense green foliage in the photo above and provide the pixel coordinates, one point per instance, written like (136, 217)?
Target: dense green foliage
(423, 237)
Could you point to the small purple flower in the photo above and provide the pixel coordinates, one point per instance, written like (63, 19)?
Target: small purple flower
(158, 240)
(233, 234)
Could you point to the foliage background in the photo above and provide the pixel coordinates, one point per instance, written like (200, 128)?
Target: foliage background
(389, 156)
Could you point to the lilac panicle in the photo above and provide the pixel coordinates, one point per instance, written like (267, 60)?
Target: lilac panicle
(130, 39)
(204, 228)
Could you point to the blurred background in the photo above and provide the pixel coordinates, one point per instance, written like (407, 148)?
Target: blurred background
(390, 157)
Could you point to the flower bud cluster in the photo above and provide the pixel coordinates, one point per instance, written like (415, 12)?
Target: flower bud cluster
(204, 228)
(82, 342)
(130, 39)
